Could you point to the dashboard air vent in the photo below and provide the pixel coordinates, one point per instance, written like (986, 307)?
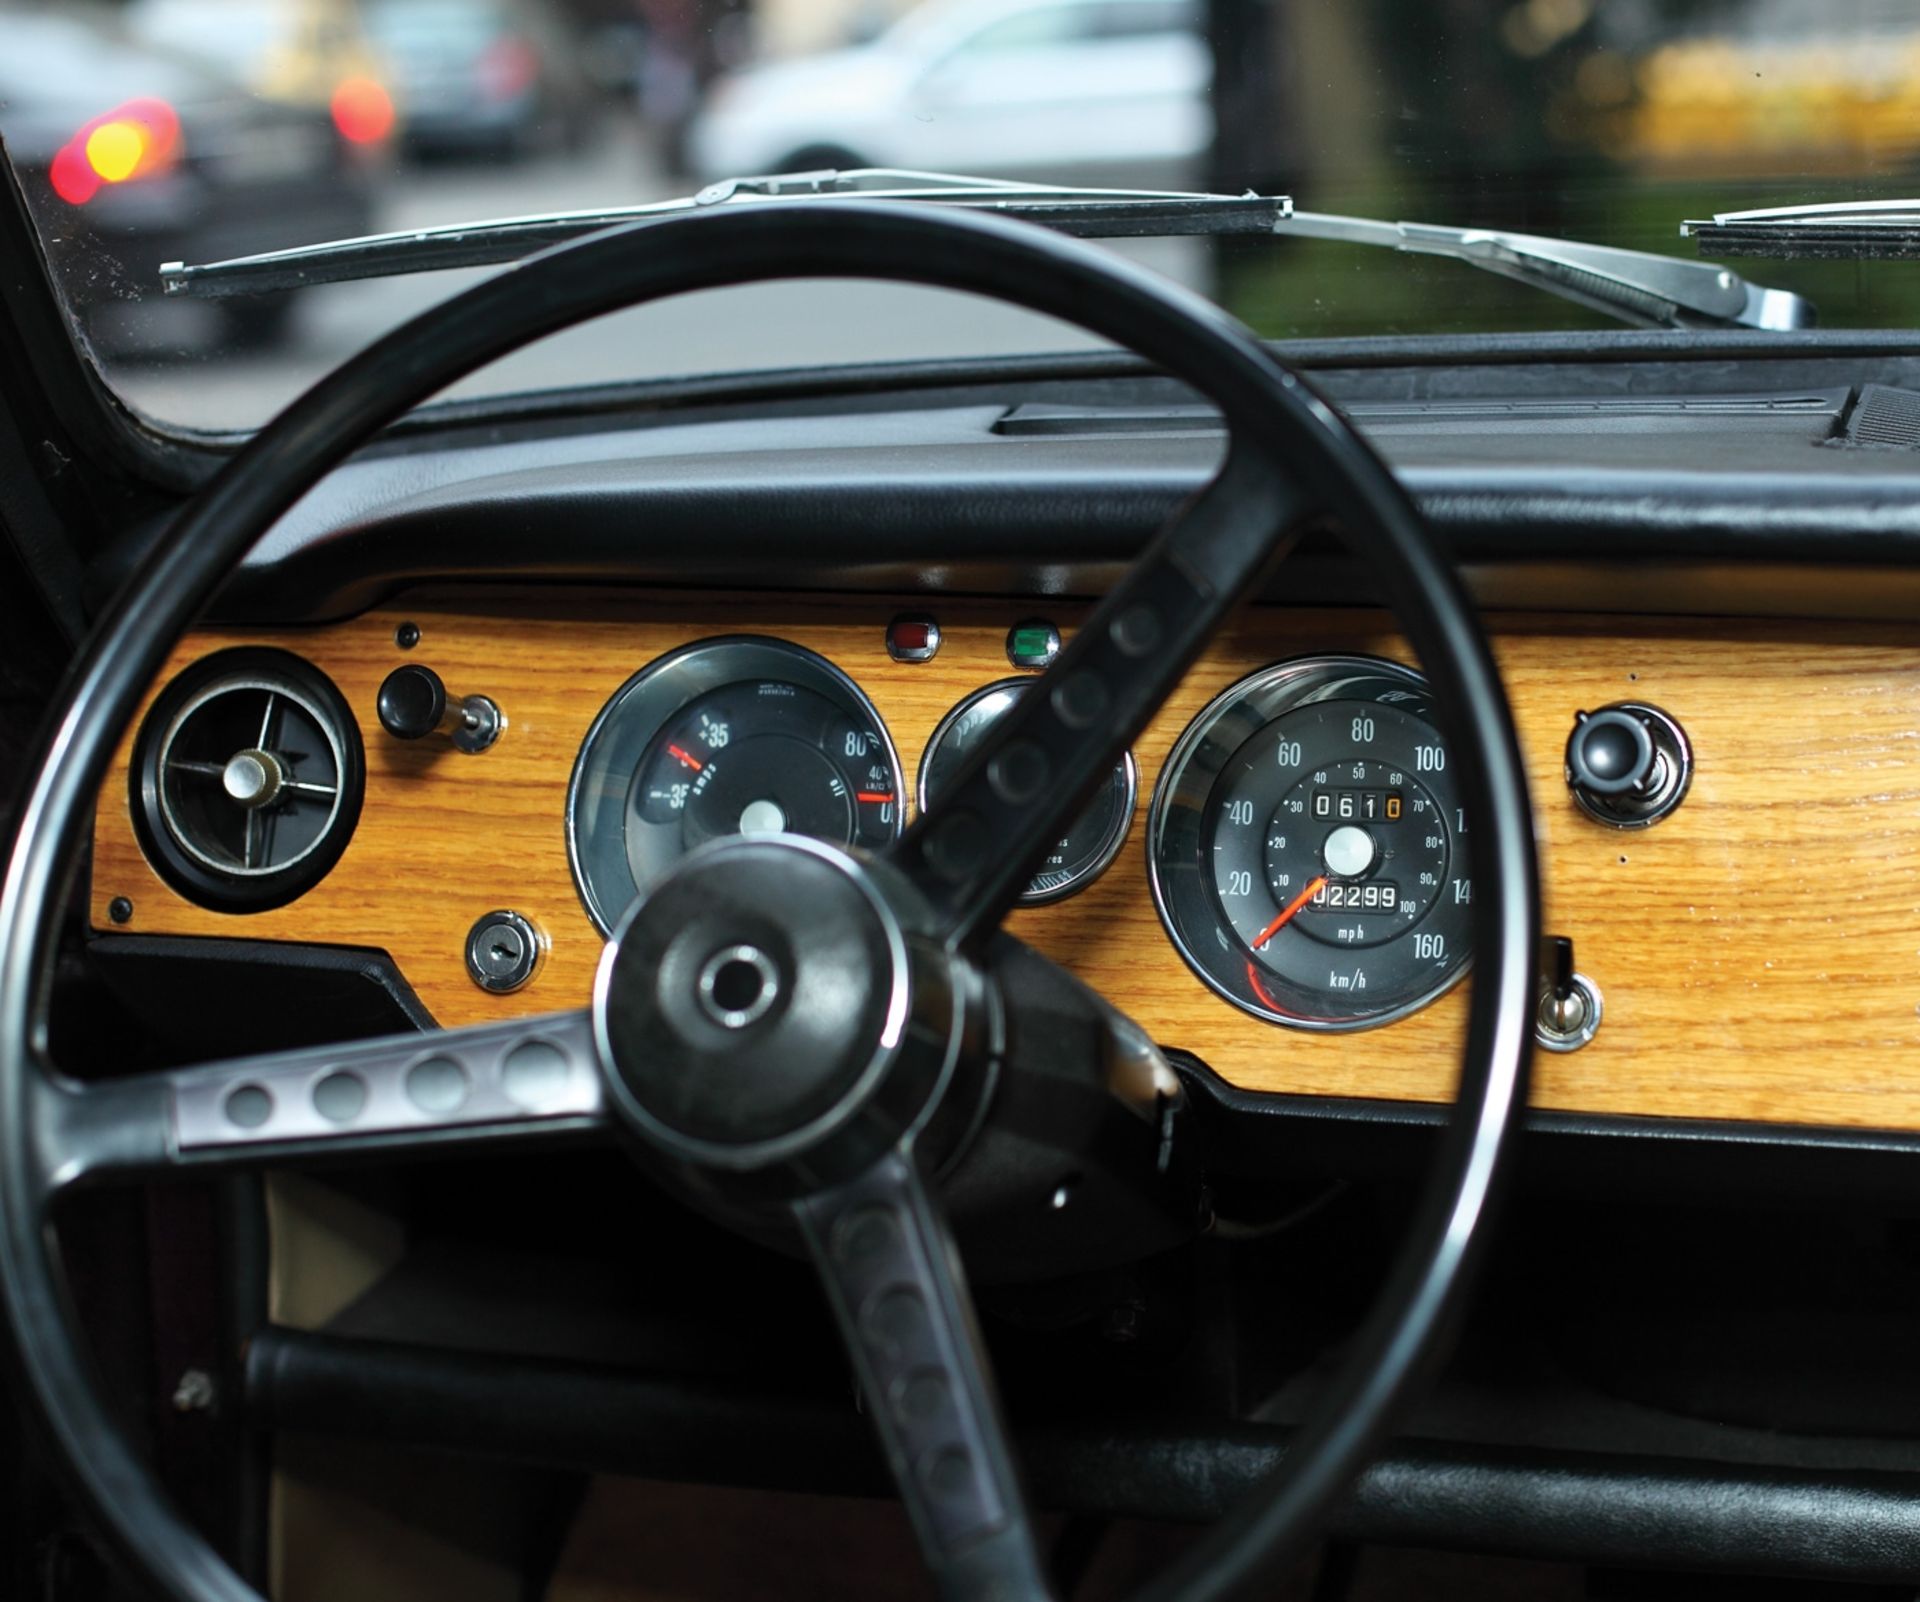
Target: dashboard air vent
(247, 779)
(1885, 415)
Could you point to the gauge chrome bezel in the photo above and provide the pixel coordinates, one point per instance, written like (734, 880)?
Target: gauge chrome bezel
(636, 713)
(1110, 843)
(1265, 695)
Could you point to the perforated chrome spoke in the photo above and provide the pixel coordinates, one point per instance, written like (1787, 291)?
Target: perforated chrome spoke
(266, 721)
(536, 1077)
(302, 789)
(200, 770)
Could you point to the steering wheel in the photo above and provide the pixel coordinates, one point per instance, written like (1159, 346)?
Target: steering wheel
(802, 1041)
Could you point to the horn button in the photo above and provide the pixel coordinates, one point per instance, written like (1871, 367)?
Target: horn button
(756, 992)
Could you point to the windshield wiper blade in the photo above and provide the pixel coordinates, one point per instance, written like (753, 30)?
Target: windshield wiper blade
(1636, 286)
(1846, 230)
(1087, 213)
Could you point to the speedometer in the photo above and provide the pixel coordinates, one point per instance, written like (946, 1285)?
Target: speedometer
(1308, 850)
(729, 736)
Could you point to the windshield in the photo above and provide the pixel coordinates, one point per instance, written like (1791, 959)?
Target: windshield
(150, 131)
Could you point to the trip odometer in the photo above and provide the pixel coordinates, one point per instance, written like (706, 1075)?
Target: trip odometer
(729, 736)
(1307, 848)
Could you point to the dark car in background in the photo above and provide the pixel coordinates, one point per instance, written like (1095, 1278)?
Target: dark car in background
(490, 80)
(139, 156)
(312, 53)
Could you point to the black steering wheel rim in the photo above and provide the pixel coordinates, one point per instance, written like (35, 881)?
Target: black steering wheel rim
(1043, 272)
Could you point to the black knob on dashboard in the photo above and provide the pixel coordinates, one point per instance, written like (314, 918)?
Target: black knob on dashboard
(1609, 753)
(413, 702)
(1628, 764)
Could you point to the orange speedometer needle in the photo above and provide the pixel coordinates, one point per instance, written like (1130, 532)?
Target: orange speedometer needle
(692, 762)
(1314, 887)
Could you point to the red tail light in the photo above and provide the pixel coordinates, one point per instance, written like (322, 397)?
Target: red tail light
(362, 111)
(508, 68)
(133, 140)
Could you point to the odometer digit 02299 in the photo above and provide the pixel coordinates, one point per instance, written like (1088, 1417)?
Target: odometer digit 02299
(1307, 848)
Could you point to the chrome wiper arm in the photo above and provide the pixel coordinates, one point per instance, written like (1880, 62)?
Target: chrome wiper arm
(1637, 286)
(1634, 285)
(1088, 213)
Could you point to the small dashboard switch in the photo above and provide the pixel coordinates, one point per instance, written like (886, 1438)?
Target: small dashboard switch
(1570, 1006)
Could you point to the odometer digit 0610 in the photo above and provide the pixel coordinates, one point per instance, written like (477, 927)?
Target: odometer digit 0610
(1307, 849)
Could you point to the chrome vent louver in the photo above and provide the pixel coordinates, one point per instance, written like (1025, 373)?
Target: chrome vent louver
(248, 779)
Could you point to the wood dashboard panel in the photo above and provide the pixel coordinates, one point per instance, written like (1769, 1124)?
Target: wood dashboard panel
(1759, 951)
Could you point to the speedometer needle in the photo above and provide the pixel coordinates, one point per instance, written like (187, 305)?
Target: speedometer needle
(1314, 887)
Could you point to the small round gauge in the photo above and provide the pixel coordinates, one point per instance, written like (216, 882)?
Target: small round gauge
(1092, 840)
(1308, 850)
(728, 736)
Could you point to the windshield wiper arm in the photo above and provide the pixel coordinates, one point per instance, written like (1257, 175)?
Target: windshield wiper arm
(1088, 213)
(1635, 285)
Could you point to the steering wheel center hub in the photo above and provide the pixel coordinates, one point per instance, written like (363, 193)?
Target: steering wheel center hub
(750, 999)
(739, 985)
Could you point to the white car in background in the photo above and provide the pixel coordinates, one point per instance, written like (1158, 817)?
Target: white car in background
(1086, 91)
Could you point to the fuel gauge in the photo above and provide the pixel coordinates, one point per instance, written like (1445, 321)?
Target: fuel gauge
(1092, 840)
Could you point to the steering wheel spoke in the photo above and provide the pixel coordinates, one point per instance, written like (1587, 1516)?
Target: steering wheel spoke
(973, 854)
(396, 1094)
(891, 1271)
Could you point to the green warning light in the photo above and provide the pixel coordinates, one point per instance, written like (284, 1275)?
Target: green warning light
(1032, 644)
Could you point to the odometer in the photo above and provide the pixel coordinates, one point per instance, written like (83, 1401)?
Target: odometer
(1307, 848)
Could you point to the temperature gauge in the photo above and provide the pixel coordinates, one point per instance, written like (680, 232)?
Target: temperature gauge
(731, 736)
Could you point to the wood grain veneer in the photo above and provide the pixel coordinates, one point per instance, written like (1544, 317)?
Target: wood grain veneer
(1759, 952)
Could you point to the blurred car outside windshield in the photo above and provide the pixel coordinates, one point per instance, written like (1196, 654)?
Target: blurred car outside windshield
(149, 130)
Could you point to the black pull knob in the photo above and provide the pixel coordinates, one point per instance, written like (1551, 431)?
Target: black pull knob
(1609, 752)
(413, 702)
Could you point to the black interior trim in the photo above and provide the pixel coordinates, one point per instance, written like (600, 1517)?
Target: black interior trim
(1258, 1133)
(74, 408)
(196, 997)
(1741, 498)
(1583, 1507)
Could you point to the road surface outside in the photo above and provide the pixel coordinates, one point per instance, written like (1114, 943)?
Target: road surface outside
(769, 326)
